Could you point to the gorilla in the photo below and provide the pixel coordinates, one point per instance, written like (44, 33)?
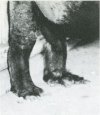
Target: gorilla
(27, 20)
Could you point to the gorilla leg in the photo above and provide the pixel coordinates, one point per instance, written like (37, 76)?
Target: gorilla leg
(55, 59)
(21, 42)
(55, 55)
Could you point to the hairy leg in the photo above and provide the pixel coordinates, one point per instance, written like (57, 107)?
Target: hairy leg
(55, 65)
(55, 50)
(21, 41)
(55, 59)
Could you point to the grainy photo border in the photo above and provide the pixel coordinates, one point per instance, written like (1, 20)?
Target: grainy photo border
(77, 90)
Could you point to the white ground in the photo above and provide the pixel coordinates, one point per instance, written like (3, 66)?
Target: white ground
(74, 99)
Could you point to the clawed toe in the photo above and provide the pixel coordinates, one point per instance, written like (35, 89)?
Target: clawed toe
(72, 77)
(37, 91)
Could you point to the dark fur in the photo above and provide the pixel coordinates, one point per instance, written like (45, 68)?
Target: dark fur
(25, 20)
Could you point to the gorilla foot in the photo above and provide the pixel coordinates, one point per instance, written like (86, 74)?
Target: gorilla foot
(51, 78)
(72, 77)
(29, 91)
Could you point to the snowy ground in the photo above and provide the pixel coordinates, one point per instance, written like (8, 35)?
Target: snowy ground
(74, 99)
